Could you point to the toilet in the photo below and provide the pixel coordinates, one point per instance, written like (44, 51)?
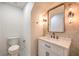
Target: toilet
(13, 43)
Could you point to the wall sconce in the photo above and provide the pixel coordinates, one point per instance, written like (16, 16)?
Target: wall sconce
(44, 19)
(41, 19)
(70, 14)
(37, 22)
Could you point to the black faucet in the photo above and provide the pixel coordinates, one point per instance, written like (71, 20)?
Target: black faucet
(53, 35)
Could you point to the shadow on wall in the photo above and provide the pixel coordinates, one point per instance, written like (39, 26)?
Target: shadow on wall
(75, 51)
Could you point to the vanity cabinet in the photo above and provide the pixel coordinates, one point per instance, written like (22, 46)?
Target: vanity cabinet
(46, 48)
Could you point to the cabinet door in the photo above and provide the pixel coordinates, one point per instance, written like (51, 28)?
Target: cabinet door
(58, 50)
(45, 52)
(66, 52)
(44, 48)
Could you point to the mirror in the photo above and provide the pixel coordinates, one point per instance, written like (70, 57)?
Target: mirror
(56, 19)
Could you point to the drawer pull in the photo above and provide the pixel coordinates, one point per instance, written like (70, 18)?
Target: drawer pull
(47, 54)
(47, 46)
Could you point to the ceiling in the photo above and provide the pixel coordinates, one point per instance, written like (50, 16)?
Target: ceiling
(17, 4)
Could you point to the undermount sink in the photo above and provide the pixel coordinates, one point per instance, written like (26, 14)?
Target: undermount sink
(61, 41)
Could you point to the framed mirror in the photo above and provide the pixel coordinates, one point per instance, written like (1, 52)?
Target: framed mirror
(56, 19)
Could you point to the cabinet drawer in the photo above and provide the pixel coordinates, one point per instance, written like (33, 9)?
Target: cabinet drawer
(44, 44)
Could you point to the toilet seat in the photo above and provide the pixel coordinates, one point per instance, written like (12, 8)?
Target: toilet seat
(13, 47)
(13, 50)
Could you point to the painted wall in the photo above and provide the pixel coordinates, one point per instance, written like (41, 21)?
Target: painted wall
(27, 28)
(10, 25)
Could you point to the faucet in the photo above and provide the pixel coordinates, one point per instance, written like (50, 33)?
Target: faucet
(53, 35)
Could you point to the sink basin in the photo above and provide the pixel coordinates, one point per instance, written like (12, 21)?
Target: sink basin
(63, 42)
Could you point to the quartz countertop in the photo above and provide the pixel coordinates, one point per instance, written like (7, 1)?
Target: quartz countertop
(61, 41)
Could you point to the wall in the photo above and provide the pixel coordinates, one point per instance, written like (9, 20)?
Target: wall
(27, 28)
(3, 43)
(37, 29)
(10, 25)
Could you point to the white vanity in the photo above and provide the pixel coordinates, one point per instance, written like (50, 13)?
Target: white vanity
(53, 47)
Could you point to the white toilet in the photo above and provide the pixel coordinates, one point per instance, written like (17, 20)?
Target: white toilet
(14, 47)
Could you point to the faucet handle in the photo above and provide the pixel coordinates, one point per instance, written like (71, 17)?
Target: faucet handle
(53, 36)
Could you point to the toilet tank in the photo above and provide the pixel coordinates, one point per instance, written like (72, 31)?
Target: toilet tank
(13, 40)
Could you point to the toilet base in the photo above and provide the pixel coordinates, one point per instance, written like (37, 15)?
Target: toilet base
(13, 54)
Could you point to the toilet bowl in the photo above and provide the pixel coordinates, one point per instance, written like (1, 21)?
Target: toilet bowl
(13, 43)
(14, 50)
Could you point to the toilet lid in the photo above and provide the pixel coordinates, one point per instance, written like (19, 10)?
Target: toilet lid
(13, 47)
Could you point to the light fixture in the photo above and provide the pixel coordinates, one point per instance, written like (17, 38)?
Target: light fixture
(44, 19)
(70, 13)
